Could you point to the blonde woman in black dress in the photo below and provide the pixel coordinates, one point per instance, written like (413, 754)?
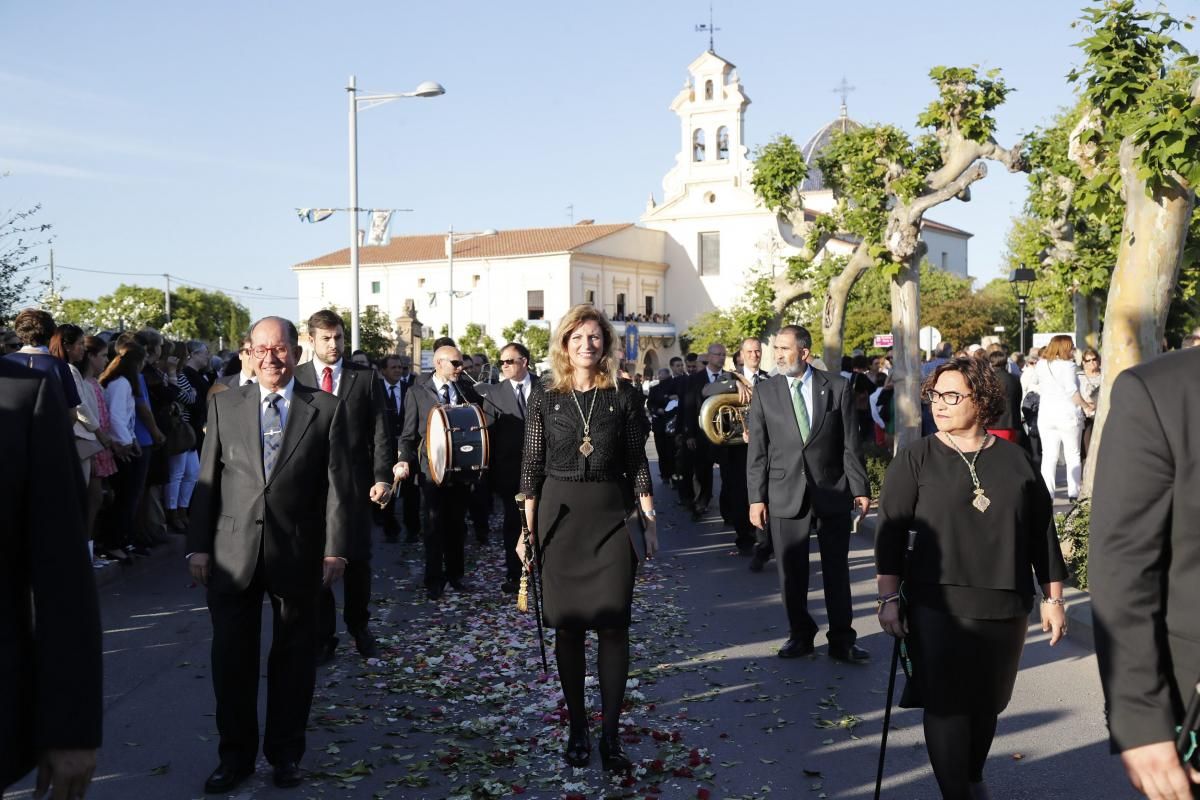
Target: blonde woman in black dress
(584, 454)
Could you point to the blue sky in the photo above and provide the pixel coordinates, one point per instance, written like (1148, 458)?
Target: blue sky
(172, 137)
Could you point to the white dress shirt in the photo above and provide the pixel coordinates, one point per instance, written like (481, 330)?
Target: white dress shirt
(438, 383)
(805, 392)
(524, 386)
(398, 387)
(335, 372)
(712, 376)
(284, 404)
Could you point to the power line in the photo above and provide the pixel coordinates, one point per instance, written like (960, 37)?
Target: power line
(232, 292)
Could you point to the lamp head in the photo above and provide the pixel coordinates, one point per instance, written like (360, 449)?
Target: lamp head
(1022, 281)
(429, 89)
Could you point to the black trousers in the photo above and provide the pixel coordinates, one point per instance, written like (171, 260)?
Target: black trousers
(684, 459)
(291, 672)
(356, 596)
(664, 445)
(703, 458)
(735, 499)
(791, 540)
(481, 509)
(446, 532)
(511, 531)
(410, 496)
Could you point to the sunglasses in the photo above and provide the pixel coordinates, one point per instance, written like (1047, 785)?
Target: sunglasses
(506, 362)
(453, 362)
(1090, 360)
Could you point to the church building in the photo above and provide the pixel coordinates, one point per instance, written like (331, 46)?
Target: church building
(691, 252)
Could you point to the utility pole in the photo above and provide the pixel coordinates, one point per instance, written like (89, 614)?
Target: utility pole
(168, 277)
(51, 270)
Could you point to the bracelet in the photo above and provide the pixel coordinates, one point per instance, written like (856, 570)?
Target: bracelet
(1053, 601)
(880, 602)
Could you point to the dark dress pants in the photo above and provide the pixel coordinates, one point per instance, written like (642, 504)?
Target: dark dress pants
(702, 466)
(356, 596)
(410, 496)
(291, 671)
(446, 532)
(664, 445)
(512, 532)
(481, 509)
(735, 499)
(684, 459)
(791, 540)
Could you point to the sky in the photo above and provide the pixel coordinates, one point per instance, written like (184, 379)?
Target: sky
(180, 137)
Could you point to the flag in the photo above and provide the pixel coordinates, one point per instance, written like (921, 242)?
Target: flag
(379, 227)
(314, 214)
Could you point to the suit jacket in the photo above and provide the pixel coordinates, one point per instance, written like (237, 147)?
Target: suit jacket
(395, 419)
(232, 381)
(506, 428)
(50, 666)
(789, 474)
(299, 516)
(1144, 554)
(691, 396)
(417, 405)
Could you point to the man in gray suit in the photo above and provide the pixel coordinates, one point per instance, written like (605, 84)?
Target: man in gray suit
(804, 466)
(269, 516)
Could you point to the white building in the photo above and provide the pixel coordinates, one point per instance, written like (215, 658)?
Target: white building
(694, 251)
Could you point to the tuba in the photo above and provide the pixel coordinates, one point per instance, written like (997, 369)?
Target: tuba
(723, 416)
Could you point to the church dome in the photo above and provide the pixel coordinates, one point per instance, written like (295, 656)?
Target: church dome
(819, 141)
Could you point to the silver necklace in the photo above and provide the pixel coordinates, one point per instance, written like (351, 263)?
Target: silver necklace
(981, 501)
(586, 447)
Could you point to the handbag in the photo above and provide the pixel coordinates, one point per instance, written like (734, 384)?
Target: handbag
(181, 437)
(87, 448)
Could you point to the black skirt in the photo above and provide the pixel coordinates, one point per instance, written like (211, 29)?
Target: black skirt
(588, 562)
(961, 665)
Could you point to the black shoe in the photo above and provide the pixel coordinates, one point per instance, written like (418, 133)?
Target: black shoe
(757, 563)
(326, 650)
(391, 538)
(459, 585)
(612, 755)
(365, 643)
(225, 778)
(288, 775)
(578, 751)
(509, 587)
(435, 592)
(849, 655)
(794, 648)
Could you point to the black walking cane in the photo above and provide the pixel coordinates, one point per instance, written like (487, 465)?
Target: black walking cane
(531, 553)
(897, 645)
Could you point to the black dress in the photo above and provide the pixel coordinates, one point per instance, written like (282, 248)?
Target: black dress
(969, 582)
(587, 560)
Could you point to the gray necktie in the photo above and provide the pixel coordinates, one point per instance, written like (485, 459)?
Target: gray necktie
(272, 433)
(521, 400)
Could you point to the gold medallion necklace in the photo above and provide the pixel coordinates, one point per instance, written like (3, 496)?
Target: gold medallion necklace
(586, 447)
(981, 501)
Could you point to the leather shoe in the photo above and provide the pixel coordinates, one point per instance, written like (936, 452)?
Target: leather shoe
(365, 643)
(288, 775)
(459, 585)
(326, 650)
(794, 648)
(612, 755)
(225, 778)
(850, 655)
(509, 587)
(578, 751)
(757, 563)
(436, 592)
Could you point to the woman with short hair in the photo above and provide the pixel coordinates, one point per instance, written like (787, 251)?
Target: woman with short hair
(584, 455)
(984, 526)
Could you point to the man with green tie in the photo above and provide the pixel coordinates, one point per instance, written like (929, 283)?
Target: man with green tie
(805, 471)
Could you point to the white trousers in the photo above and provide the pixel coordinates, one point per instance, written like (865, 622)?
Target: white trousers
(1066, 434)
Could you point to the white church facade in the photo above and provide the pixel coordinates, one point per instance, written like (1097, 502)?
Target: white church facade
(693, 251)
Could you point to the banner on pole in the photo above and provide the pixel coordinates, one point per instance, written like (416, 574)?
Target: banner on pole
(379, 227)
(314, 214)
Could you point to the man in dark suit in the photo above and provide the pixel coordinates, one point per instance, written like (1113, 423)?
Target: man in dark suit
(50, 683)
(804, 464)
(704, 453)
(395, 373)
(246, 374)
(446, 504)
(505, 403)
(1144, 567)
(732, 458)
(270, 514)
(371, 458)
(661, 394)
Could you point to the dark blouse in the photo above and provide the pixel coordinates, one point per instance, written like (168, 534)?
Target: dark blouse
(554, 432)
(967, 562)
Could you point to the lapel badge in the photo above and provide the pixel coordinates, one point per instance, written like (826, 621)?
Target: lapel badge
(556, 406)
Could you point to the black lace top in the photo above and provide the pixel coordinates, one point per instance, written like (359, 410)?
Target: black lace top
(554, 432)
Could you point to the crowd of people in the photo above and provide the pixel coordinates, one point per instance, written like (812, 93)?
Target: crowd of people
(280, 461)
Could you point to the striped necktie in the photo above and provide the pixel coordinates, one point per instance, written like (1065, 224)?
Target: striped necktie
(272, 433)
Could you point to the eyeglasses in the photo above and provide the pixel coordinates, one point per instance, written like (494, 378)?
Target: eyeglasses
(507, 362)
(949, 398)
(454, 362)
(280, 351)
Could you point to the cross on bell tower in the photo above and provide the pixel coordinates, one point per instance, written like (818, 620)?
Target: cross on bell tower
(710, 29)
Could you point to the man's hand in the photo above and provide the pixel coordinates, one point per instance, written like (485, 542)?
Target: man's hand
(863, 504)
(69, 772)
(1155, 771)
(744, 392)
(400, 470)
(381, 493)
(1054, 621)
(198, 565)
(691, 443)
(334, 567)
(889, 620)
(758, 515)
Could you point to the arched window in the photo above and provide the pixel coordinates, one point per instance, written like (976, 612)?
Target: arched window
(708, 90)
(698, 145)
(722, 143)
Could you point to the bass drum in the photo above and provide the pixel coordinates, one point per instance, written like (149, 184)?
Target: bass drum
(456, 443)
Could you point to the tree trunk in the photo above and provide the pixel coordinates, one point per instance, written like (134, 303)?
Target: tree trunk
(833, 317)
(1087, 319)
(906, 350)
(1153, 233)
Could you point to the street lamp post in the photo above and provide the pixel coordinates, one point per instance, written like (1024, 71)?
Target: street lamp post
(1022, 282)
(365, 101)
(451, 238)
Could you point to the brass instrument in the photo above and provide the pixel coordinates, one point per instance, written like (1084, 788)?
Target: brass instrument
(723, 416)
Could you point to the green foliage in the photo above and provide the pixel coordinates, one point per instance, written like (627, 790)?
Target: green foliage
(1073, 535)
(375, 336)
(17, 259)
(750, 316)
(1049, 305)
(779, 169)
(195, 313)
(474, 340)
(535, 337)
(965, 101)
(877, 459)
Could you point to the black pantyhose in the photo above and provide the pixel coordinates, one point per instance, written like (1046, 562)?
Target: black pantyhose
(958, 746)
(613, 664)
